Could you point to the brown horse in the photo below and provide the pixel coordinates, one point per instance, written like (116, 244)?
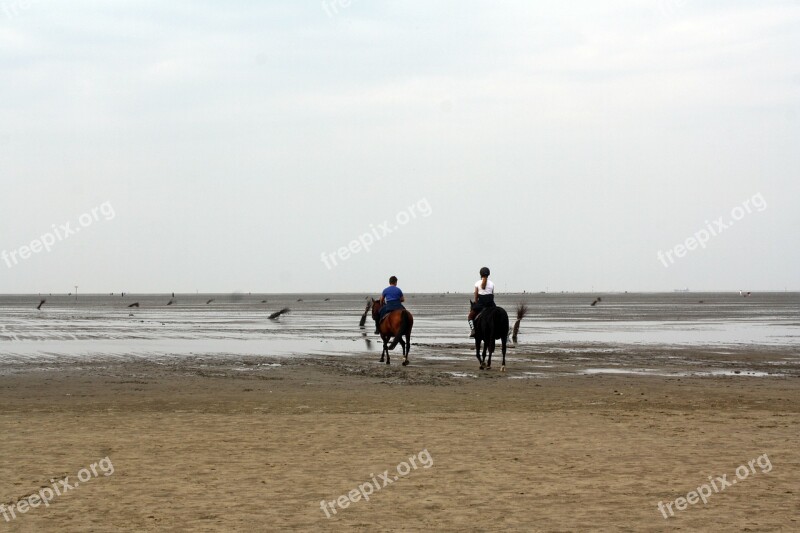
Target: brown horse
(394, 327)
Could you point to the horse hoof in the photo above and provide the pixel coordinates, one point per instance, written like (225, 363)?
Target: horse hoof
(488, 367)
(405, 362)
(503, 368)
(482, 367)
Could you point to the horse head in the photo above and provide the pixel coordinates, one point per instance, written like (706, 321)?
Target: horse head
(376, 307)
(472, 312)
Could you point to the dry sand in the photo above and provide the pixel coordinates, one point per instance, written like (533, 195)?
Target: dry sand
(203, 446)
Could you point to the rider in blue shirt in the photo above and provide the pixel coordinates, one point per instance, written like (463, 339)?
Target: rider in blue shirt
(391, 300)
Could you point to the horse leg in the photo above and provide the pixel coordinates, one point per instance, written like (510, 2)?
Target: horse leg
(503, 342)
(407, 348)
(491, 351)
(483, 359)
(403, 347)
(478, 351)
(385, 352)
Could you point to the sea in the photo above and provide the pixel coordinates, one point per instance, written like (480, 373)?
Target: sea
(86, 326)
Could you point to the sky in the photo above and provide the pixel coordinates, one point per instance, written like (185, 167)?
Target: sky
(322, 146)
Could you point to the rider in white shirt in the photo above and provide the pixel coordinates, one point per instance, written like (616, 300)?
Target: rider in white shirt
(483, 298)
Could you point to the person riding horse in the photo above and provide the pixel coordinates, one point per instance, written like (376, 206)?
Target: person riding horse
(393, 322)
(391, 300)
(483, 297)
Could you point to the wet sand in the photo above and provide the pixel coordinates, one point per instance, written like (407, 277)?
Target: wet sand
(254, 444)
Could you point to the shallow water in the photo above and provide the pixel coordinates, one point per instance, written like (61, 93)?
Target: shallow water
(237, 325)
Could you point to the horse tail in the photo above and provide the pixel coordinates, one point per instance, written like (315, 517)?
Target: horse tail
(401, 330)
(522, 311)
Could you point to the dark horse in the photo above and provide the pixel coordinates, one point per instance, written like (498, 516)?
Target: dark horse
(394, 327)
(491, 324)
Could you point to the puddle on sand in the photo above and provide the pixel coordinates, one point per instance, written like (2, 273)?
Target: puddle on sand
(527, 375)
(661, 373)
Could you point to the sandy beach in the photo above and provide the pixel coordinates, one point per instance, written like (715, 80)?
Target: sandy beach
(208, 444)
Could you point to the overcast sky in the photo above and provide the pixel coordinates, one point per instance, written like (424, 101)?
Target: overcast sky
(242, 146)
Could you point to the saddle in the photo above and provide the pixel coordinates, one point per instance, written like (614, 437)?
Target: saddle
(386, 315)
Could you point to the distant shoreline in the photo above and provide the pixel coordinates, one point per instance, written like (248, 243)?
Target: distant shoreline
(422, 293)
